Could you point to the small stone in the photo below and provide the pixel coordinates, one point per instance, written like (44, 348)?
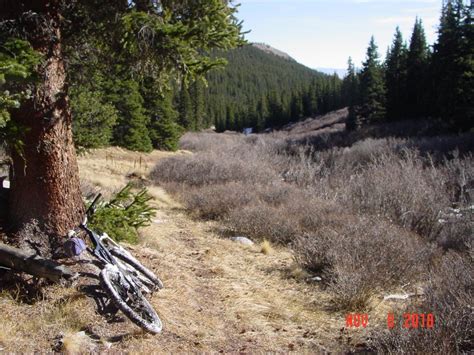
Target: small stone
(242, 240)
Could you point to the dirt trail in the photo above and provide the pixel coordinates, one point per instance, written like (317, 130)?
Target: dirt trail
(218, 296)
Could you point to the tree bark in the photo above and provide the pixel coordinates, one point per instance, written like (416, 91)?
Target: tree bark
(45, 185)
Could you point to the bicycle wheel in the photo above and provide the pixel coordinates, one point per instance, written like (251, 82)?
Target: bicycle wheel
(127, 258)
(129, 299)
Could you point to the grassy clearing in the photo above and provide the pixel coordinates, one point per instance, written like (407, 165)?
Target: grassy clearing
(371, 216)
(218, 296)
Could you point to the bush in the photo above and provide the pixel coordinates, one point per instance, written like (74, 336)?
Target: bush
(402, 190)
(205, 142)
(373, 257)
(360, 259)
(217, 201)
(123, 215)
(211, 169)
(312, 251)
(262, 221)
(448, 296)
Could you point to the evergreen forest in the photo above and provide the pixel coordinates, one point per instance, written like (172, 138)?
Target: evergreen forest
(418, 81)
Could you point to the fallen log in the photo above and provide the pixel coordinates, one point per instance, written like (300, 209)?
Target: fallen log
(21, 261)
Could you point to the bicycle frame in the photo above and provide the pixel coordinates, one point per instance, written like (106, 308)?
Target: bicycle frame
(99, 251)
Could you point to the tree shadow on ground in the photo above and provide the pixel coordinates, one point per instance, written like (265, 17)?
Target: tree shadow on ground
(23, 288)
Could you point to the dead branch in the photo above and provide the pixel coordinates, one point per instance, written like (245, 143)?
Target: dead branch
(21, 261)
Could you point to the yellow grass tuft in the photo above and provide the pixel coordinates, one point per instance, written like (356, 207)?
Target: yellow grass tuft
(266, 247)
(77, 343)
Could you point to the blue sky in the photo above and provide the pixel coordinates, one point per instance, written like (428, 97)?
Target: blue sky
(324, 33)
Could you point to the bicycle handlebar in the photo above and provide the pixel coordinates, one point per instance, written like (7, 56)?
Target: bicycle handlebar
(90, 210)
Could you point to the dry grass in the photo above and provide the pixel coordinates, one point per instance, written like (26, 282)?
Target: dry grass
(35, 327)
(217, 297)
(77, 343)
(266, 247)
(363, 214)
(106, 170)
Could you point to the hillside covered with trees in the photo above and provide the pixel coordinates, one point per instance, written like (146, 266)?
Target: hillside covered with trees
(260, 89)
(255, 89)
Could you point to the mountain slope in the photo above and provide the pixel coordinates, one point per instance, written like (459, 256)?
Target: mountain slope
(262, 87)
(269, 49)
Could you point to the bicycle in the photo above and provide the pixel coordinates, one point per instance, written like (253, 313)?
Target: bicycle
(123, 278)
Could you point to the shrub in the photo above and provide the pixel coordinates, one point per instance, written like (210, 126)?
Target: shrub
(312, 251)
(217, 201)
(205, 142)
(402, 190)
(448, 296)
(124, 214)
(210, 169)
(370, 257)
(360, 212)
(262, 221)
(360, 259)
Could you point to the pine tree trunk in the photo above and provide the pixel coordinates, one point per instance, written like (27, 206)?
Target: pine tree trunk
(45, 186)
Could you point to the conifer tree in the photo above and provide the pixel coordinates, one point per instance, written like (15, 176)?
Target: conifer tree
(262, 113)
(186, 114)
(350, 92)
(396, 77)
(290, 90)
(350, 85)
(296, 108)
(453, 66)
(94, 119)
(131, 129)
(417, 65)
(372, 89)
(162, 39)
(230, 118)
(164, 129)
(197, 100)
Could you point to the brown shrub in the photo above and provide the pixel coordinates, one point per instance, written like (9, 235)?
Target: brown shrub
(312, 251)
(349, 205)
(209, 169)
(262, 221)
(402, 190)
(459, 179)
(448, 296)
(204, 142)
(371, 257)
(361, 259)
(217, 201)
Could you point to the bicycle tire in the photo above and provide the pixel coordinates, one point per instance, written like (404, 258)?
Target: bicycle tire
(130, 300)
(126, 257)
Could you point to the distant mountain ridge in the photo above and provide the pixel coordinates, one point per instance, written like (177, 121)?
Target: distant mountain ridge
(269, 49)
